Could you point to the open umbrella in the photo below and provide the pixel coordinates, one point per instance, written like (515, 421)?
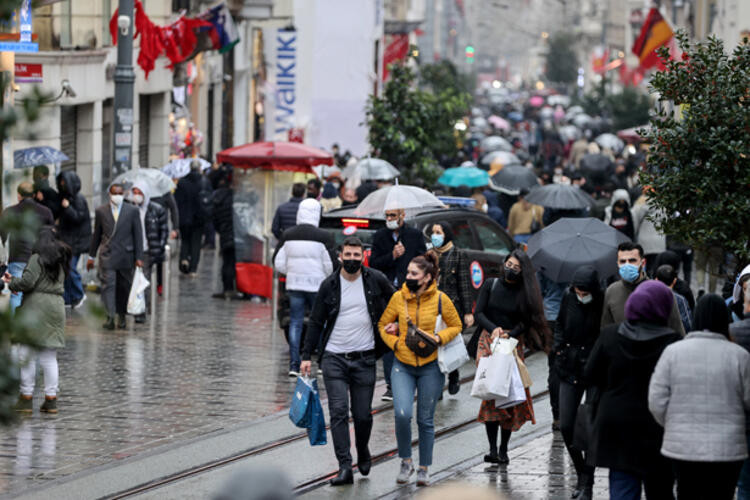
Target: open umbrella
(570, 133)
(479, 122)
(464, 176)
(555, 100)
(157, 181)
(277, 156)
(36, 156)
(499, 123)
(371, 169)
(610, 141)
(573, 111)
(511, 180)
(581, 120)
(547, 112)
(409, 198)
(536, 101)
(597, 167)
(495, 143)
(504, 157)
(180, 167)
(561, 248)
(515, 116)
(560, 196)
(631, 134)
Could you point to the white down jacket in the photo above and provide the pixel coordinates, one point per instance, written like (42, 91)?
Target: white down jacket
(303, 253)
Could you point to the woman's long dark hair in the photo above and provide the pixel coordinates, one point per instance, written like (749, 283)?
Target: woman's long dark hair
(530, 299)
(54, 255)
(447, 231)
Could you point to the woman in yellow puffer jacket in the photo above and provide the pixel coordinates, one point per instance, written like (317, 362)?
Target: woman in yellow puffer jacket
(420, 301)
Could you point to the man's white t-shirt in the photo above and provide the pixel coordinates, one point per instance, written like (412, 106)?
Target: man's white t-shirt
(353, 329)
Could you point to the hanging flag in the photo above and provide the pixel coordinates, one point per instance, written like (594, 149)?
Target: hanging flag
(224, 34)
(599, 59)
(655, 33)
(396, 51)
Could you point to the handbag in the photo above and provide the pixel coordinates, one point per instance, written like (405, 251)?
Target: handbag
(583, 429)
(452, 355)
(420, 343)
(473, 346)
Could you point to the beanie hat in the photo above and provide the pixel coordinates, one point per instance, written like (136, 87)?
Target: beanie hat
(652, 301)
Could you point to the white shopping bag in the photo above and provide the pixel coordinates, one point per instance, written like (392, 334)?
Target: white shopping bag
(493, 376)
(454, 354)
(517, 393)
(137, 297)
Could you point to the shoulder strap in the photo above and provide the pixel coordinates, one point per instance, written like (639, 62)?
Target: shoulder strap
(406, 308)
(440, 303)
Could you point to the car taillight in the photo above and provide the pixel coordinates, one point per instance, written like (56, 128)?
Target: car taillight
(355, 222)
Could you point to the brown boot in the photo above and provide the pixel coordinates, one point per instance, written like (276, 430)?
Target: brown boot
(24, 404)
(49, 405)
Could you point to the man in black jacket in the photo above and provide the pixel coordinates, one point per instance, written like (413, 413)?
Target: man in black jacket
(194, 212)
(393, 247)
(21, 241)
(286, 214)
(75, 230)
(45, 194)
(346, 311)
(223, 219)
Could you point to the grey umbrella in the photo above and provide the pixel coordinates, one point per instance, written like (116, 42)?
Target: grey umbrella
(371, 169)
(561, 248)
(495, 143)
(157, 181)
(512, 179)
(560, 196)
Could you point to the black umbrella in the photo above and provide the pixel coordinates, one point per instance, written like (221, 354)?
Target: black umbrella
(561, 248)
(513, 178)
(560, 196)
(597, 167)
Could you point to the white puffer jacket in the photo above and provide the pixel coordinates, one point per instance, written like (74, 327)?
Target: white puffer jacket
(303, 253)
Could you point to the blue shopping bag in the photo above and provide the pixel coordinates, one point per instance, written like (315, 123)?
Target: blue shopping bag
(300, 408)
(316, 431)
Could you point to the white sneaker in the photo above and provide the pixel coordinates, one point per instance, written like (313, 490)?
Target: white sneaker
(78, 304)
(293, 374)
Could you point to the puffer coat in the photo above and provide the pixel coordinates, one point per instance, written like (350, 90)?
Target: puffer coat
(43, 303)
(157, 231)
(423, 312)
(700, 392)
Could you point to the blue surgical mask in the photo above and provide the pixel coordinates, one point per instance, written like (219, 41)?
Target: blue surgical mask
(629, 272)
(437, 240)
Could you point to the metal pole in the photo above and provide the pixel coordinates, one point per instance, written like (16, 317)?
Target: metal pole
(166, 271)
(124, 83)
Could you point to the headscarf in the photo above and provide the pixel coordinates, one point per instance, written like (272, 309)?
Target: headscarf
(652, 302)
(711, 314)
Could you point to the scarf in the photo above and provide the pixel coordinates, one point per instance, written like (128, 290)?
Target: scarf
(444, 249)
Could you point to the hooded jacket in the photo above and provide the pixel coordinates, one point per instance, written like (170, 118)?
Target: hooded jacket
(423, 312)
(622, 222)
(190, 190)
(19, 248)
(154, 224)
(304, 252)
(577, 326)
(75, 220)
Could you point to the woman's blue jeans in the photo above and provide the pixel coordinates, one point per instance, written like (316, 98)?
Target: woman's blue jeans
(428, 381)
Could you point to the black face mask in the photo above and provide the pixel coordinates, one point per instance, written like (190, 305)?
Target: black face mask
(352, 266)
(412, 284)
(512, 274)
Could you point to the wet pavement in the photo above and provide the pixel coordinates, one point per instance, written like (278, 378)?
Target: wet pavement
(198, 365)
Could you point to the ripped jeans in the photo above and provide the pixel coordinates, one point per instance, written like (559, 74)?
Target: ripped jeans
(428, 381)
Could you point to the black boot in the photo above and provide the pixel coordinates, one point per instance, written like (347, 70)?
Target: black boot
(587, 493)
(109, 324)
(345, 476)
(454, 384)
(121, 322)
(364, 462)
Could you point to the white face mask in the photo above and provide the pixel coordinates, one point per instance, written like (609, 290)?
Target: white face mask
(116, 199)
(586, 299)
(392, 224)
(137, 199)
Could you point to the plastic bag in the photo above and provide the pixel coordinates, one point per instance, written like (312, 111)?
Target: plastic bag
(316, 431)
(137, 297)
(300, 408)
(517, 393)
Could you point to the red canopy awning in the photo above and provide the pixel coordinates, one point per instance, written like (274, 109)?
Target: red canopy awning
(289, 156)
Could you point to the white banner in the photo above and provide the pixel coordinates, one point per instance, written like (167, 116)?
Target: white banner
(281, 103)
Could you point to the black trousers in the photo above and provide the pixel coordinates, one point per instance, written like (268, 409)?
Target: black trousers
(116, 285)
(706, 480)
(570, 398)
(228, 272)
(190, 247)
(345, 379)
(553, 380)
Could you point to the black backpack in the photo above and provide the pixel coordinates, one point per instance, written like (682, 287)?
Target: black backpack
(205, 200)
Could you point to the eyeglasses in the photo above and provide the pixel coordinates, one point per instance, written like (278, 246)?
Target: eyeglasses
(391, 215)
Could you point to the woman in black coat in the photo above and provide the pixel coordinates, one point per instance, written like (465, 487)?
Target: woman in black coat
(454, 281)
(576, 331)
(626, 439)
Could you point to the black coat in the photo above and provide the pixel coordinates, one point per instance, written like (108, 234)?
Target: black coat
(121, 242)
(75, 221)
(20, 248)
(50, 197)
(378, 291)
(576, 330)
(223, 216)
(167, 201)
(382, 251)
(188, 197)
(285, 217)
(157, 231)
(625, 436)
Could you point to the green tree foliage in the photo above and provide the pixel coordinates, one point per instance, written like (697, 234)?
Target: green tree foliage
(562, 62)
(411, 125)
(629, 108)
(699, 171)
